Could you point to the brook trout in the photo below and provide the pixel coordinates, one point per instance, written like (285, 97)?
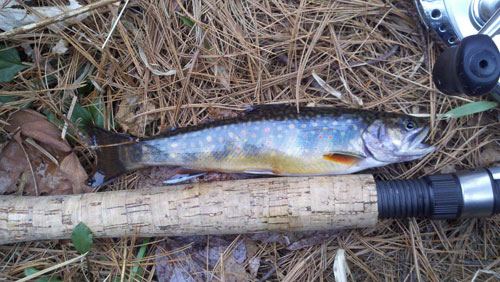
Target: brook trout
(273, 140)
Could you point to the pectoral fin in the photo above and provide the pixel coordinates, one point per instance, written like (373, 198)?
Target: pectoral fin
(343, 158)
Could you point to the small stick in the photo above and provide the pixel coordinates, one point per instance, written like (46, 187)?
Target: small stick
(31, 168)
(114, 24)
(55, 19)
(42, 272)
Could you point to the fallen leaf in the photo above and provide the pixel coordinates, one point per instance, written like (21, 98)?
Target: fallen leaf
(13, 15)
(222, 73)
(220, 113)
(490, 154)
(253, 266)
(449, 168)
(35, 125)
(127, 115)
(60, 47)
(11, 167)
(82, 238)
(54, 168)
(13, 164)
(253, 259)
(10, 63)
(333, 91)
(154, 176)
(70, 166)
(296, 240)
(189, 258)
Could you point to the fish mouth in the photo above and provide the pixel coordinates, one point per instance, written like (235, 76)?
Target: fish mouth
(416, 147)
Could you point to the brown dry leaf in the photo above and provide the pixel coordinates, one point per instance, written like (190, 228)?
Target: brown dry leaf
(35, 125)
(51, 179)
(490, 154)
(127, 113)
(154, 176)
(12, 165)
(222, 73)
(221, 113)
(297, 240)
(185, 259)
(70, 166)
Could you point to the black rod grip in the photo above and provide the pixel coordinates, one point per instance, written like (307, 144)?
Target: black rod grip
(445, 196)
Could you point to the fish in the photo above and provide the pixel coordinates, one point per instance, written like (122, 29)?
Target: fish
(270, 140)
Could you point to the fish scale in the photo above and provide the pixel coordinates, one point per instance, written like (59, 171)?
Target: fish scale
(277, 140)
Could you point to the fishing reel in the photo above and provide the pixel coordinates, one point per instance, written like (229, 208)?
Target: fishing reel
(471, 63)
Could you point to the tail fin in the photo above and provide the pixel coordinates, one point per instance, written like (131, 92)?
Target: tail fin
(110, 158)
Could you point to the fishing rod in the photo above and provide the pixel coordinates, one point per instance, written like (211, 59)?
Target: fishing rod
(252, 205)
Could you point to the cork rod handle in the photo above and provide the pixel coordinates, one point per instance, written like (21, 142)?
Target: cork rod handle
(227, 207)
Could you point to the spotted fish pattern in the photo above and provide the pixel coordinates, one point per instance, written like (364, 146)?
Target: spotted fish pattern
(278, 140)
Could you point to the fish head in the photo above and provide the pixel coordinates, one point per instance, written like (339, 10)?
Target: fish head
(396, 139)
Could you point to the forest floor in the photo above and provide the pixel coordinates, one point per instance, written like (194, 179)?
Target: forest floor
(158, 64)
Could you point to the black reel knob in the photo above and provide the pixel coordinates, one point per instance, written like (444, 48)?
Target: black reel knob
(472, 67)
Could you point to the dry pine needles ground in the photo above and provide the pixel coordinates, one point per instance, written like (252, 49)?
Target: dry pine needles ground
(172, 63)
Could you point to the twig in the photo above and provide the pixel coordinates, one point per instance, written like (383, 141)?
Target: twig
(114, 24)
(421, 34)
(55, 19)
(42, 150)
(31, 168)
(273, 267)
(41, 272)
(70, 112)
(376, 60)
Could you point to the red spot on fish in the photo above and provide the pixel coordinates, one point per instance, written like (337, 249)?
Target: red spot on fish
(267, 129)
(238, 148)
(243, 132)
(320, 137)
(330, 137)
(292, 138)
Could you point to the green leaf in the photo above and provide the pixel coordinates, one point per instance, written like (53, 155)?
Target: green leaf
(97, 112)
(51, 117)
(207, 45)
(30, 270)
(10, 64)
(48, 279)
(187, 20)
(82, 238)
(86, 89)
(7, 99)
(469, 109)
(137, 270)
(81, 116)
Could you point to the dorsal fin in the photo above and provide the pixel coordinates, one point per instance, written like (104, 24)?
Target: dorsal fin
(256, 109)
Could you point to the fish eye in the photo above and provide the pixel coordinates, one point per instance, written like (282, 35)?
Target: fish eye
(410, 125)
